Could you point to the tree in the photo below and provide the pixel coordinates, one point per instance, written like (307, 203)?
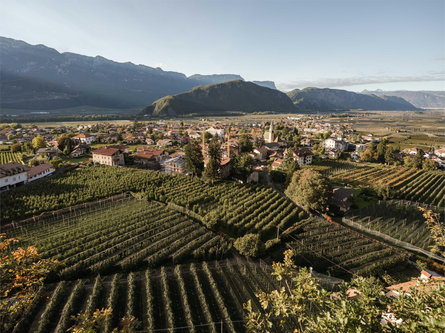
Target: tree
(38, 142)
(242, 165)
(381, 150)
(390, 156)
(65, 144)
(16, 147)
(249, 245)
(289, 166)
(211, 171)
(259, 141)
(418, 159)
(367, 156)
(437, 229)
(303, 304)
(28, 147)
(429, 164)
(245, 144)
(193, 158)
(309, 189)
(22, 272)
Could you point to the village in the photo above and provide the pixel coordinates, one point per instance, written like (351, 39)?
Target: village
(160, 146)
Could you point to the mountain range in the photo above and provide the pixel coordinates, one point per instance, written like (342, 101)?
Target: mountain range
(421, 99)
(36, 77)
(312, 99)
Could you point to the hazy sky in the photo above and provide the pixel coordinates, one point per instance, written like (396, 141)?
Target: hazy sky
(353, 44)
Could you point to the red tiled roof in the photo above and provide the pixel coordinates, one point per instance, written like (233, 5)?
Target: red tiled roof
(106, 151)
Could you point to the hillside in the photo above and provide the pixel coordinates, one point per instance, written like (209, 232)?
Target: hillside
(228, 96)
(420, 99)
(316, 99)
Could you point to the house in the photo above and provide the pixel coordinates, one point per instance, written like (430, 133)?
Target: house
(303, 156)
(261, 153)
(360, 147)
(174, 165)
(149, 141)
(216, 131)
(331, 144)
(80, 150)
(307, 142)
(84, 138)
(49, 152)
(159, 154)
(277, 164)
(440, 152)
(108, 156)
(410, 151)
(342, 198)
(164, 143)
(147, 160)
(39, 171)
(424, 281)
(12, 174)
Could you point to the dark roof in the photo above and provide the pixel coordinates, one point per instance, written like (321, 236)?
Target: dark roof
(38, 169)
(11, 169)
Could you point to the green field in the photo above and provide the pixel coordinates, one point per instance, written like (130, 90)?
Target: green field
(6, 157)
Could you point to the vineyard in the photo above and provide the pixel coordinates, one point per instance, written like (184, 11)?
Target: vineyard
(7, 156)
(120, 235)
(398, 219)
(411, 184)
(232, 208)
(205, 297)
(340, 251)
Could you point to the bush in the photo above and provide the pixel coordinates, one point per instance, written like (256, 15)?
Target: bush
(249, 245)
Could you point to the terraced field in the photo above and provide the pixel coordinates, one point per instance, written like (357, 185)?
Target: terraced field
(337, 250)
(401, 220)
(120, 235)
(235, 209)
(411, 184)
(204, 297)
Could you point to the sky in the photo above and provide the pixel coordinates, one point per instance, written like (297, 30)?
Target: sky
(346, 44)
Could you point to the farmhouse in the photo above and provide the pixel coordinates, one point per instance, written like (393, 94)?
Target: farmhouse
(12, 174)
(332, 144)
(39, 171)
(108, 156)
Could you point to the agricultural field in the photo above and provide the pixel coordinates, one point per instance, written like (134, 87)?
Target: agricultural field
(7, 156)
(228, 207)
(118, 235)
(399, 219)
(415, 185)
(337, 250)
(197, 297)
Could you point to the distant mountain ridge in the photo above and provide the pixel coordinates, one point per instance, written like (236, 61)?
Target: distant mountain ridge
(39, 77)
(220, 78)
(325, 99)
(421, 99)
(240, 96)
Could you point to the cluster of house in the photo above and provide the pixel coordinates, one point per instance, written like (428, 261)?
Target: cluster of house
(437, 155)
(14, 174)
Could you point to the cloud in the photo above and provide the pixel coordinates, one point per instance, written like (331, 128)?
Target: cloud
(359, 80)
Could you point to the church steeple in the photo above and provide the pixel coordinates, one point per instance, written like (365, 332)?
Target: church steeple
(271, 136)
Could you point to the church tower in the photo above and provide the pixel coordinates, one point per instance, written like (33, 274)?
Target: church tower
(270, 137)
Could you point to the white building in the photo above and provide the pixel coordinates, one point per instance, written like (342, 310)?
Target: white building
(216, 131)
(331, 144)
(12, 174)
(85, 138)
